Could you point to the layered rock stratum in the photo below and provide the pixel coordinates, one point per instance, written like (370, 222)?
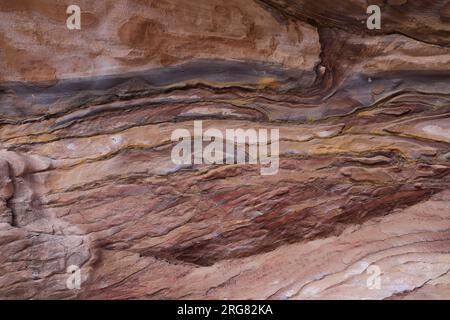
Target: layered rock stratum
(86, 176)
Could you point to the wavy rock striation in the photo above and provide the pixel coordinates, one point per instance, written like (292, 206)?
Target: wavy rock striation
(86, 176)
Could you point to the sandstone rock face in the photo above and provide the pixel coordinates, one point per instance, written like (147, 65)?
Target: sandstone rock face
(87, 179)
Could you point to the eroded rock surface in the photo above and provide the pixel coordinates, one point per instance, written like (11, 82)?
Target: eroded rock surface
(86, 176)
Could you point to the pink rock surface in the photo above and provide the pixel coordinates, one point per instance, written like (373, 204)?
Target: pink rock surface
(87, 179)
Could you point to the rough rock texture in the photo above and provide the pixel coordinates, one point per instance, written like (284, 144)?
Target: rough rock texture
(86, 176)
